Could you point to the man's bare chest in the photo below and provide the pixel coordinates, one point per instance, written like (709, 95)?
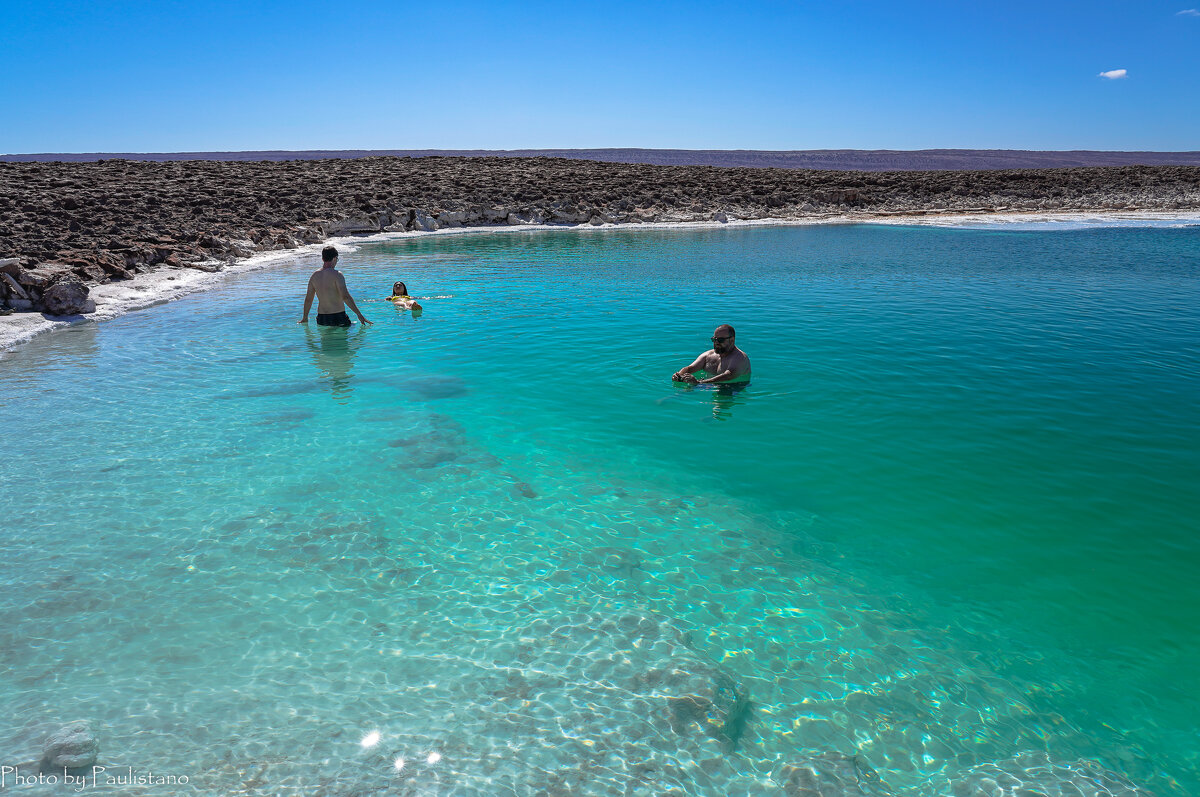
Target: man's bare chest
(713, 364)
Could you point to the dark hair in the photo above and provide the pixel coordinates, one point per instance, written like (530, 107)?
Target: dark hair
(399, 293)
(329, 253)
(728, 330)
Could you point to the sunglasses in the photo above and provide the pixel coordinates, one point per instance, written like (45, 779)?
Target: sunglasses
(722, 340)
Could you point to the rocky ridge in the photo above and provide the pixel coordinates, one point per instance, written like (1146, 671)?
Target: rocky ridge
(869, 160)
(83, 224)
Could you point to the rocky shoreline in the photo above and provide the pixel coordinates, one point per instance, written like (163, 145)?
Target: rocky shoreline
(67, 226)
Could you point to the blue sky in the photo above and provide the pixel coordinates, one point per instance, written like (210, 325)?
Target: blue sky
(211, 76)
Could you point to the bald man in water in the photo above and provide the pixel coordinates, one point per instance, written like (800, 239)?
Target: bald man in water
(725, 362)
(329, 286)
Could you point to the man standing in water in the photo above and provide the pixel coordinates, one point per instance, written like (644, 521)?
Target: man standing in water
(724, 362)
(329, 286)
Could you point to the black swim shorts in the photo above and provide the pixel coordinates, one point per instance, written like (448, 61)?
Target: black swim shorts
(333, 319)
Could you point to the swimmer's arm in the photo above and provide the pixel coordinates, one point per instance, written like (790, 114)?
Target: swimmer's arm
(685, 374)
(308, 300)
(721, 377)
(739, 371)
(349, 300)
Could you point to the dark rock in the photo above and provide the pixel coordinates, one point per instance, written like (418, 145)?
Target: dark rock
(205, 265)
(116, 272)
(242, 248)
(567, 214)
(67, 297)
(138, 255)
(45, 275)
(12, 287)
(90, 272)
(401, 221)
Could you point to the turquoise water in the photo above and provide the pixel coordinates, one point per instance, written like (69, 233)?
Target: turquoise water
(945, 539)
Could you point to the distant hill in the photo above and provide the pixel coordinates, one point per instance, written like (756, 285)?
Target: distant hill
(876, 160)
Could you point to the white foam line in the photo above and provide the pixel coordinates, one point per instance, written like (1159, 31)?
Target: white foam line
(166, 284)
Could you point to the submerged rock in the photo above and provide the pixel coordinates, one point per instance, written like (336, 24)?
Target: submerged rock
(715, 703)
(72, 746)
(830, 775)
(622, 561)
(562, 697)
(1036, 773)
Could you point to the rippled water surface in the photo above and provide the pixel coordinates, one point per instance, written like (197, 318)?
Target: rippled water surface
(944, 542)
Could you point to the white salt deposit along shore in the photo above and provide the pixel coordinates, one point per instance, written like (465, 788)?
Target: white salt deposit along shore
(166, 284)
(145, 290)
(1050, 220)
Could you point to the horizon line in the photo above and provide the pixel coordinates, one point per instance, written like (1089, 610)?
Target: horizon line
(826, 150)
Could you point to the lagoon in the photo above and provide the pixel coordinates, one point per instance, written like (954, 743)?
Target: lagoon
(948, 531)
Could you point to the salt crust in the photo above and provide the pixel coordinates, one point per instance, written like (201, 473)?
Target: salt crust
(166, 284)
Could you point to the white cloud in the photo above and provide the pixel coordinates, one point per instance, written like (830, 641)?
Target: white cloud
(1113, 74)
(1188, 12)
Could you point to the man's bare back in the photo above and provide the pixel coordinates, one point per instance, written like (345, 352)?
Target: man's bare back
(329, 287)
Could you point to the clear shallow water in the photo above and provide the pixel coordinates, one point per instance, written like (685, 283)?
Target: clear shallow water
(948, 529)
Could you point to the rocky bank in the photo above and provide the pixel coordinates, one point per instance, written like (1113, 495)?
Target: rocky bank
(65, 226)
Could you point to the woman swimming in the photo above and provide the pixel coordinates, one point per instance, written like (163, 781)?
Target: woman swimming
(401, 299)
